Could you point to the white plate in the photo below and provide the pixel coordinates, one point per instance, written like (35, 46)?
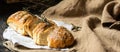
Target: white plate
(28, 42)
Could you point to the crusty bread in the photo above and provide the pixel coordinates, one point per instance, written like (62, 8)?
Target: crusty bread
(22, 21)
(17, 21)
(43, 31)
(60, 38)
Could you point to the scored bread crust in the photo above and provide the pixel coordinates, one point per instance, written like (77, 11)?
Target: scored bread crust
(18, 20)
(41, 32)
(60, 38)
(23, 22)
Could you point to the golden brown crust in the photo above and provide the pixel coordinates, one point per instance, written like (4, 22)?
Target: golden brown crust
(60, 38)
(41, 31)
(13, 21)
(19, 20)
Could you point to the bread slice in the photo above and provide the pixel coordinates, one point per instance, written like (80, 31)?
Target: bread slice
(41, 31)
(23, 22)
(60, 38)
(18, 20)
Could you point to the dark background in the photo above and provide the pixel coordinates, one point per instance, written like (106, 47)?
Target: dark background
(5, 11)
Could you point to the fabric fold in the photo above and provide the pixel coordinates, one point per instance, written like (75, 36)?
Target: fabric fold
(111, 15)
(89, 42)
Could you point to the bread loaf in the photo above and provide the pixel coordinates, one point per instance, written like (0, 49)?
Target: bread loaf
(43, 31)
